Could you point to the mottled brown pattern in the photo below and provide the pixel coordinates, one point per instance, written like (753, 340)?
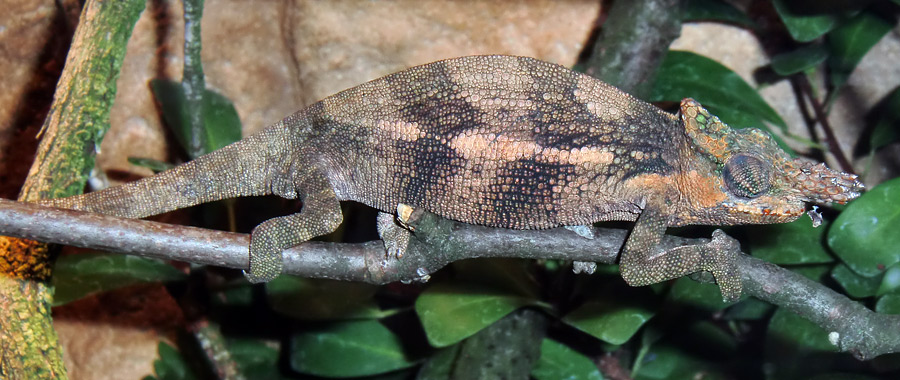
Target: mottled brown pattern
(499, 141)
(505, 142)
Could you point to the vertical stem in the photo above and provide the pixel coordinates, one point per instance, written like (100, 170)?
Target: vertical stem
(193, 83)
(822, 118)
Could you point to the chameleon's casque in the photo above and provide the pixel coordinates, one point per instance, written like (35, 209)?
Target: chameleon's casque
(500, 141)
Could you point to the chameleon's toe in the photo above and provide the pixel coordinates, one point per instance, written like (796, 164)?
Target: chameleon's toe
(719, 258)
(265, 256)
(395, 237)
(263, 268)
(256, 278)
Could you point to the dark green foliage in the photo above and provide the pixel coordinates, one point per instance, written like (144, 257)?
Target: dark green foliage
(685, 74)
(222, 126)
(802, 59)
(865, 235)
(84, 274)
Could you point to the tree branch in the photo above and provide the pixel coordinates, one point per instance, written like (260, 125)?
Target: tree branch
(436, 243)
(633, 42)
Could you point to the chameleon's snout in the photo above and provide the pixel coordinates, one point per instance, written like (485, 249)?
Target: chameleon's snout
(818, 184)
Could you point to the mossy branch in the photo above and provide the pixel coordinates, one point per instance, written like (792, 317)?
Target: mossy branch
(78, 118)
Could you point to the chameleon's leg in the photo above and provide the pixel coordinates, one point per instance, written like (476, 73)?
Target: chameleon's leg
(641, 264)
(394, 236)
(320, 215)
(395, 230)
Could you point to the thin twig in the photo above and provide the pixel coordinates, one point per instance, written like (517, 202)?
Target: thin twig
(822, 117)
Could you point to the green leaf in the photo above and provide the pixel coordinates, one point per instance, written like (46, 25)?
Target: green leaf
(451, 312)
(349, 348)
(319, 299)
(888, 304)
(807, 26)
(887, 128)
(440, 365)
(799, 60)
(700, 295)
(890, 282)
(238, 295)
(714, 10)
(715, 340)
(149, 163)
(668, 362)
(749, 309)
(850, 42)
(684, 74)
(221, 123)
(797, 242)
(855, 285)
(256, 359)
(817, 273)
(608, 318)
(171, 365)
(511, 275)
(865, 235)
(794, 344)
(77, 276)
(558, 361)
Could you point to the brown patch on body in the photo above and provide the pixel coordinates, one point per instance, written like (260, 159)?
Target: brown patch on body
(478, 146)
(400, 130)
(650, 183)
(700, 191)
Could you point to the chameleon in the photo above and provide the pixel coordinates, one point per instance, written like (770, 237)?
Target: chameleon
(507, 142)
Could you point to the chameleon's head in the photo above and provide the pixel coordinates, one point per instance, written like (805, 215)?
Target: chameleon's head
(751, 179)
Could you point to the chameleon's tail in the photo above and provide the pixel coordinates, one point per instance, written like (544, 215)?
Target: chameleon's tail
(251, 166)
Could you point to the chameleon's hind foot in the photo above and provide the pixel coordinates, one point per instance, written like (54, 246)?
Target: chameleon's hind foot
(394, 236)
(265, 260)
(321, 214)
(267, 242)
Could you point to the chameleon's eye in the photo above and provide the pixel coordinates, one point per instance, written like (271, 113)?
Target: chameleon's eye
(746, 176)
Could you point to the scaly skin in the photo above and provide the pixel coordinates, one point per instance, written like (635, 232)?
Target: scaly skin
(506, 142)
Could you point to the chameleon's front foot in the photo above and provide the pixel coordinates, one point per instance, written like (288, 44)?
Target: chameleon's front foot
(719, 257)
(640, 265)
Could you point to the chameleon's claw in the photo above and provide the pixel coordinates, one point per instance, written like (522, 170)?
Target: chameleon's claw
(404, 216)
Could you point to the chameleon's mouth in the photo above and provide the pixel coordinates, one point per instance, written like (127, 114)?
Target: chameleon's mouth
(818, 184)
(791, 210)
